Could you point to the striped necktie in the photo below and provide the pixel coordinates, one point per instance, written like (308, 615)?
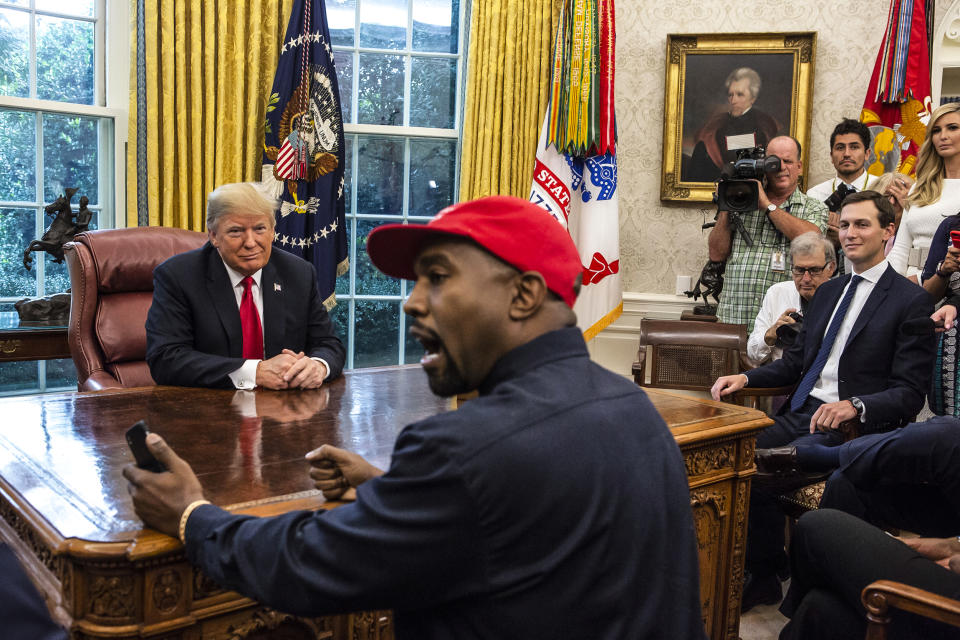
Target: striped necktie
(813, 373)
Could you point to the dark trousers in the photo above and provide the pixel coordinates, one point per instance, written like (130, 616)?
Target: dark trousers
(765, 537)
(23, 615)
(908, 478)
(833, 556)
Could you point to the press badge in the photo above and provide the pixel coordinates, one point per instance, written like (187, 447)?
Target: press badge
(778, 261)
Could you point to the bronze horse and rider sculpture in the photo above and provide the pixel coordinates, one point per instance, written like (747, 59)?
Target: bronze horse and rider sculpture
(66, 224)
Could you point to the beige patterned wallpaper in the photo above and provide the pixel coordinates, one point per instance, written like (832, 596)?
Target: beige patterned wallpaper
(661, 240)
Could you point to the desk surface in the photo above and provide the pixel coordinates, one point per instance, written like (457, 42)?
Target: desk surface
(61, 455)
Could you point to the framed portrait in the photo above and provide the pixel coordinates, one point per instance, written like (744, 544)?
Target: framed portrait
(726, 93)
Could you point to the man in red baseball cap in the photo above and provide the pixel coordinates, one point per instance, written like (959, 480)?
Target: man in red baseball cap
(554, 505)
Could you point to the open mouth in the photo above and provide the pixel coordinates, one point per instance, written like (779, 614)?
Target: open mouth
(432, 345)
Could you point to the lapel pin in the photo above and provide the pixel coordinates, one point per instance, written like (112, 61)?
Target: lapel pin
(276, 286)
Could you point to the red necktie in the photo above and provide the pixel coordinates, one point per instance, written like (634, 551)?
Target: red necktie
(250, 324)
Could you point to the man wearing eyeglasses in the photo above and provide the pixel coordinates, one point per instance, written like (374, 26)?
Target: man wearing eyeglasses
(814, 263)
(865, 353)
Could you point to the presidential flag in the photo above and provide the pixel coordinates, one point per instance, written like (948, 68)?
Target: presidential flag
(898, 105)
(303, 148)
(575, 173)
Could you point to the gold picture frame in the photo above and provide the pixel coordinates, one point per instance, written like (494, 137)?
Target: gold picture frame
(696, 108)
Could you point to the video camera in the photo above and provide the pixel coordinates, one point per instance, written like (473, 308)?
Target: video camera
(736, 190)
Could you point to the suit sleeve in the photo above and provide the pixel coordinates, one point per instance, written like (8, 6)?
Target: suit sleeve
(171, 352)
(321, 337)
(409, 541)
(912, 367)
(938, 249)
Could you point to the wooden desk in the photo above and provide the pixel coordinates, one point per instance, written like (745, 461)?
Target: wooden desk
(66, 511)
(31, 341)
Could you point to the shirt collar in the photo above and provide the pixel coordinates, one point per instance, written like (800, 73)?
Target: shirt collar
(873, 273)
(236, 277)
(554, 345)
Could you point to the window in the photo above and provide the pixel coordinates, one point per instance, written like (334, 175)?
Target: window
(400, 65)
(59, 127)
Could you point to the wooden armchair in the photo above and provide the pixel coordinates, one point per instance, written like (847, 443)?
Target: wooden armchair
(692, 355)
(878, 597)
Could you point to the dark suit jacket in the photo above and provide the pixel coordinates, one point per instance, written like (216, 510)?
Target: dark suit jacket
(882, 364)
(193, 326)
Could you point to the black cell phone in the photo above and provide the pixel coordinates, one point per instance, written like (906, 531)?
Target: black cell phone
(137, 440)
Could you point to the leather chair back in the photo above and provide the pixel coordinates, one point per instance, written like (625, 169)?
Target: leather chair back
(689, 355)
(111, 280)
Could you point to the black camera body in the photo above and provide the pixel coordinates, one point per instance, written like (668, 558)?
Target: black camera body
(787, 333)
(835, 199)
(736, 190)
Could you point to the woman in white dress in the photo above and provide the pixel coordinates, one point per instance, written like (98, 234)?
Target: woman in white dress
(936, 193)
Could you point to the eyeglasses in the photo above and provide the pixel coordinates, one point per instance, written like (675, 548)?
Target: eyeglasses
(813, 271)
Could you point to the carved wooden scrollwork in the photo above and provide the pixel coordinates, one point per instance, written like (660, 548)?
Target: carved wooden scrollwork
(678, 46)
(702, 460)
(203, 586)
(736, 559)
(167, 591)
(747, 448)
(111, 596)
(262, 620)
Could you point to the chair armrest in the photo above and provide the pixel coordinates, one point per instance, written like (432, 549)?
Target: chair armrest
(99, 380)
(879, 596)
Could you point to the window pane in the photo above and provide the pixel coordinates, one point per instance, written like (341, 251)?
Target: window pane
(380, 175)
(14, 53)
(17, 230)
(18, 376)
(436, 25)
(340, 316)
(433, 90)
(344, 63)
(18, 153)
(376, 333)
(380, 98)
(383, 24)
(55, 276)
(413, 350)
(432, 175)
(370, 281)
(60, 374)
(64, 60)
(69, 156)
(70, 7)
(341, 18)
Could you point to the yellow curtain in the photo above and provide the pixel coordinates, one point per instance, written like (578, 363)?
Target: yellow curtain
(208, 67)
(508, 83)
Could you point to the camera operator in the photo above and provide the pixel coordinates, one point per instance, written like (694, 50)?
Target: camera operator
(785, 302)
(784, 212)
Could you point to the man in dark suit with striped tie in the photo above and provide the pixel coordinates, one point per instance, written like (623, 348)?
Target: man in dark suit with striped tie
(862, 354)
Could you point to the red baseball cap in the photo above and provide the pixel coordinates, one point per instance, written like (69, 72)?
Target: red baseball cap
(515, 230)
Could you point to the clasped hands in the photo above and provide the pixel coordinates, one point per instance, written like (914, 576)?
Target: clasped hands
(944, 551)
(290, 370)
(160, 498)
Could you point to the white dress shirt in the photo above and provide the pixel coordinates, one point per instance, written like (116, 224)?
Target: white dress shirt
(776, 300)
(246, 376)
(827, 388)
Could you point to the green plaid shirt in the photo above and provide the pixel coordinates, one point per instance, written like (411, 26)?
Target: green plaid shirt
(748, 274)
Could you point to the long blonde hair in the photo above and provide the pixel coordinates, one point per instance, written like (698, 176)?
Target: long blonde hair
(930, 169)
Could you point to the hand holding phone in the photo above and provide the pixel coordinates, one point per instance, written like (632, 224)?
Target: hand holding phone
(955, 238)
(137, 441)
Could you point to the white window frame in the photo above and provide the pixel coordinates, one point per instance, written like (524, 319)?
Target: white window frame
(400, 132)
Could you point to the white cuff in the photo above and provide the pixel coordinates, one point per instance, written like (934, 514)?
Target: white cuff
(246, 376)
(325, 364)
